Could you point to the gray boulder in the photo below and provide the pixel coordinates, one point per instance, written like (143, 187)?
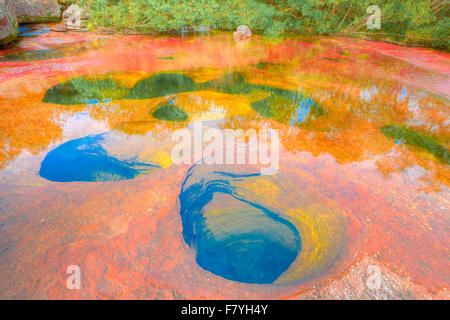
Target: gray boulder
(242, 33)
(9, 27)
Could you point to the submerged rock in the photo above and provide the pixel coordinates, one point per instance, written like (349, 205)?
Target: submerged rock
(44, 54)
(33, 11)
(9, 27)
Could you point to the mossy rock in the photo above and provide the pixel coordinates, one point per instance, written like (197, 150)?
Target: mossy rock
(80, 90)
(417, 139)
(169, 112)
(38, 19)
(37, 11)
(161, 85)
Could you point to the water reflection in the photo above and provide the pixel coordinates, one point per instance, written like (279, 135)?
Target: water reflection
(30, 30)
(364, 164)
(151, 103)
(232, 236)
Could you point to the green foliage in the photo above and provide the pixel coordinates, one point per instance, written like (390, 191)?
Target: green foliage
(417, 139)
(290, 109)
(232, 83)
(424, 22)
(282, 105)
(161, 85)
(80, 90)
(169, 112)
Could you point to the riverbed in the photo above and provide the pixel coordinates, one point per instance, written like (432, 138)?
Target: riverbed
(357, 208)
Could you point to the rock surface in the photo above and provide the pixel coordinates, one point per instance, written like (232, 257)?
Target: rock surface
(242, 33)
(31, 11)
(8, 23)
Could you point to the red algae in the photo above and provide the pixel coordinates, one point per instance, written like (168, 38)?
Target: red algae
(386, 203)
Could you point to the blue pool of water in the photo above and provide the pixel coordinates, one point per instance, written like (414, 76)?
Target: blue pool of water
(85, 159)
(233, 237)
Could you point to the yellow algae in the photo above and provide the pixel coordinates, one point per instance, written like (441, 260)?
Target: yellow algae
(161, 158)
(323, 234)
(263, 187)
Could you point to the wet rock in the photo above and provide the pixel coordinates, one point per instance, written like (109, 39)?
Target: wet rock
(242, 33)
(32, 11)
(8, 22)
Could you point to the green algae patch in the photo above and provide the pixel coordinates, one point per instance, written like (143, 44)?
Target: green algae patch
(262, 65)
(265, 106)
(291, 109)
(417, 139)
(231, 83)
(287, 106)
(169, 112)
(161, 85)
(81, 90)
(165, 58)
